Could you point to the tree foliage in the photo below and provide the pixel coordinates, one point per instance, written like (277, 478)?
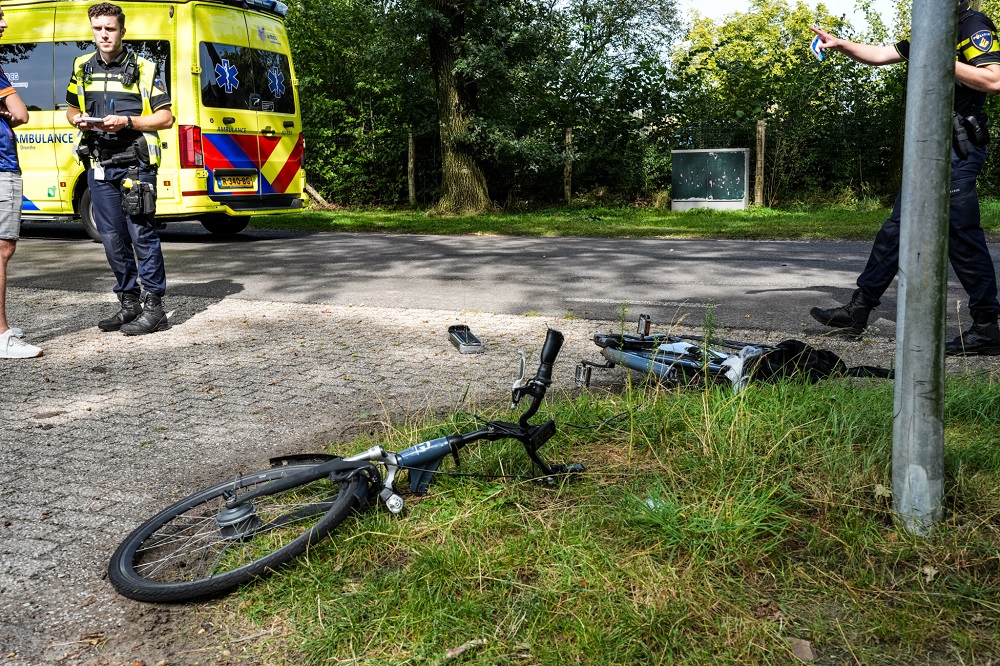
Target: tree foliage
(489, 88)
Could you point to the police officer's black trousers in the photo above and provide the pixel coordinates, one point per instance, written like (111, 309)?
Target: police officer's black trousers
(131, 243)
(967, 249)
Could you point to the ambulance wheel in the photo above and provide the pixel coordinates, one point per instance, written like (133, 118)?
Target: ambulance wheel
(223, 225)
(86, 209)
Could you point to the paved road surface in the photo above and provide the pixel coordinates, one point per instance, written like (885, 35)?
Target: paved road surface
(767, 285)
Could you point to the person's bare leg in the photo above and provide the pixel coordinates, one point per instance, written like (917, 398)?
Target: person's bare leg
(6, 250)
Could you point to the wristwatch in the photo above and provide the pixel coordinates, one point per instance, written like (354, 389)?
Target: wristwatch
(129, 123)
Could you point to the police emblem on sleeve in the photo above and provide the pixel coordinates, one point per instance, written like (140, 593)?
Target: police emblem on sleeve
(983, 40)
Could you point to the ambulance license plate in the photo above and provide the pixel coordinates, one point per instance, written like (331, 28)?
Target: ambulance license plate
(235, 182)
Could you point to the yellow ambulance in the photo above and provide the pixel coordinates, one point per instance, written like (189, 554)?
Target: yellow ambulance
(236, 147)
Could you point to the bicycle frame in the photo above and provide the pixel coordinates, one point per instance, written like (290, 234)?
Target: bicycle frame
(422, 460)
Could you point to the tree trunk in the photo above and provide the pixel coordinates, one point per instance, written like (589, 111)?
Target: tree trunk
(463, 186)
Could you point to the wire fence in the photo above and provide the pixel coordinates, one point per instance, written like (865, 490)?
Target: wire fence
(842, 160)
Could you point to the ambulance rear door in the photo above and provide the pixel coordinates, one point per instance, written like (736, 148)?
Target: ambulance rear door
(227, 113)
(277, 117)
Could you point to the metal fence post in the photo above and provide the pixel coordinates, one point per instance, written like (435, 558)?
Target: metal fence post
(918, 426)
(758, 186)
(411, 169)
(568, 167)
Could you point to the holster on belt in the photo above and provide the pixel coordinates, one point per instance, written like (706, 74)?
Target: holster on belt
(138, 197)
(971, 129)
(959, 137)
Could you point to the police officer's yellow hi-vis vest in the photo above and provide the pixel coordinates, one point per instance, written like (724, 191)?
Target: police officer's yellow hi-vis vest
(142, 86)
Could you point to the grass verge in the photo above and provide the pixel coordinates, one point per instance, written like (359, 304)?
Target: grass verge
(710, 528)
(859, 222)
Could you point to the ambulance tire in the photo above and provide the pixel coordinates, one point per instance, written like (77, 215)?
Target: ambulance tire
(86, 209)
(224, 225)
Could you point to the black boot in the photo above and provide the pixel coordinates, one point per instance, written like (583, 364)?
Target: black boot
(853, 317)
(152, 319)
(982, 339)
(130, 309)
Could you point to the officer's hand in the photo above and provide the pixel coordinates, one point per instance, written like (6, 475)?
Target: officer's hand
(826, 40)
(114, 123)
(79, 123)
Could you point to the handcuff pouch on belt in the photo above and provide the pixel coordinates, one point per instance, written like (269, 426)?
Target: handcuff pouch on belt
(138, 197)
(969, 129)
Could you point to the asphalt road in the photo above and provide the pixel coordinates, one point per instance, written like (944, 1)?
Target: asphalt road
(766, 285)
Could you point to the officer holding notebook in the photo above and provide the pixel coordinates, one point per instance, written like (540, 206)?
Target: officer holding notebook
(118, 101)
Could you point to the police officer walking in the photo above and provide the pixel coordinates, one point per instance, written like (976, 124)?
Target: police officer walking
(119, 101)
(977, 72)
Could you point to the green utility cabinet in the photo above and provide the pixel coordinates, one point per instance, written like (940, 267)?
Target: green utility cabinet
(717, 178)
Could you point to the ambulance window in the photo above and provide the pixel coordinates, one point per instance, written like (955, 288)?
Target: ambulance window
(29, 70)
(274, 82)
(158, 51)
(226, 76)
(67, 52)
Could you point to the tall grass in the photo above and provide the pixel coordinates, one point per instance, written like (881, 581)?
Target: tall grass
(709, 528)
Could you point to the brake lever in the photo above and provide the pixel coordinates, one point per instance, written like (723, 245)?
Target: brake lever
(520, 382)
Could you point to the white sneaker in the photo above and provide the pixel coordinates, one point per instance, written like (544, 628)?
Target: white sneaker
(12, 346)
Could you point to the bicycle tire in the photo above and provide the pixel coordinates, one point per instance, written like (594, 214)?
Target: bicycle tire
(185, 553)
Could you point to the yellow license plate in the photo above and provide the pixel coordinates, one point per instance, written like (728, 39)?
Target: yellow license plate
(235, 182)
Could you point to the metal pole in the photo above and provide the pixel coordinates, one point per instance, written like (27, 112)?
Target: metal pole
(918, 428)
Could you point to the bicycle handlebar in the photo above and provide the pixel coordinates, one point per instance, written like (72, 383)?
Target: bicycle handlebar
(543, 378)
(553, 343)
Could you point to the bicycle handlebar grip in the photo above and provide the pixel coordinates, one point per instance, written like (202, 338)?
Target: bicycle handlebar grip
(553, 343)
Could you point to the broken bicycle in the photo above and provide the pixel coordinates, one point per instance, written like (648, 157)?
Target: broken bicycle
(243, 528)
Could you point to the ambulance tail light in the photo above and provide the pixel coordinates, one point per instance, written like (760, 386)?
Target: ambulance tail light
(300, 150)
(191, 152)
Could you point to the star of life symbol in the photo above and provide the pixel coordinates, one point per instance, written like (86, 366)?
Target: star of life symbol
(276, 82)
(226, 76)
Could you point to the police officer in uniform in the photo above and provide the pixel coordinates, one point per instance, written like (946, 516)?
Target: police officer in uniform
(977, 73)
(118, 101)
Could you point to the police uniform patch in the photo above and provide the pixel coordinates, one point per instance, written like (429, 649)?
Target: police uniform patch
(983, 40)
(159, 84)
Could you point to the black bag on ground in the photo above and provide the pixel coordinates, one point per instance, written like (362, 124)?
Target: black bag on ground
(795, 359)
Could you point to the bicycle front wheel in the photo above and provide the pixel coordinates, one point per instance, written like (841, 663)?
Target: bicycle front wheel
(198, 548)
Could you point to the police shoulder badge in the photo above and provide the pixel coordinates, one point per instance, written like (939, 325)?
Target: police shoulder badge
(983, 40)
